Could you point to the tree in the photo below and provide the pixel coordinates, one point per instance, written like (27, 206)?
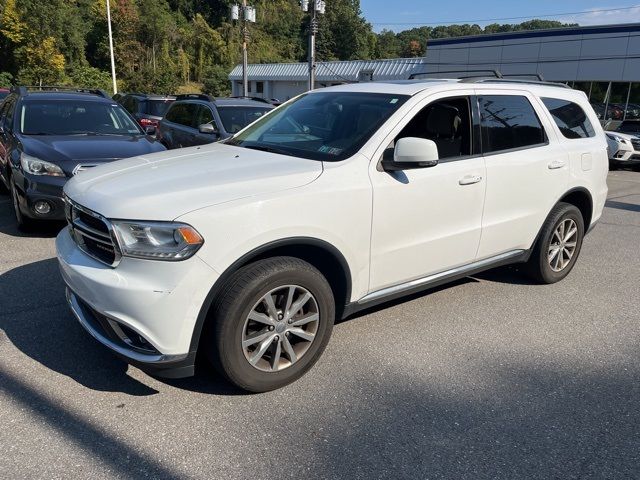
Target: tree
(12, 27)
(216, 82)
(85, 76)
(6, 80)
(43, 63)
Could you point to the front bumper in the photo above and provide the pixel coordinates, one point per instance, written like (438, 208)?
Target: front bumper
(34, 188)
(145, 311)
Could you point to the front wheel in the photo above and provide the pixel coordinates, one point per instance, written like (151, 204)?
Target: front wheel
(558, 246)
(24, 223)
(271, 322)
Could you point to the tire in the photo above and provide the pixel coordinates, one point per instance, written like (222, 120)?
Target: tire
(25, 224)
(288, 356)
(545, 267)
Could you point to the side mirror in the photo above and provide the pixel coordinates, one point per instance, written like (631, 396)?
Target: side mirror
(208, 128)
(150, 130)
(412, 152)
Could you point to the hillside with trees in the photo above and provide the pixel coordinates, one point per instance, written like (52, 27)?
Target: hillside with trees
(187, 45)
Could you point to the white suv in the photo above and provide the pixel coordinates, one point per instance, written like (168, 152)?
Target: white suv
(247, 251)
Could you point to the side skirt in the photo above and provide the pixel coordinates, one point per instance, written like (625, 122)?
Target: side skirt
(435, 280)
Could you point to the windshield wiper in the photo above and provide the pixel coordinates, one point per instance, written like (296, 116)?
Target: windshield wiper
(264, 148)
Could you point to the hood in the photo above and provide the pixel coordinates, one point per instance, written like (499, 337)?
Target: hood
(167, 185)
(69, 151)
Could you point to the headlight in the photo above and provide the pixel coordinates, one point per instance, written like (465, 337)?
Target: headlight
(35, 166)
(616, 138)
(157, 240)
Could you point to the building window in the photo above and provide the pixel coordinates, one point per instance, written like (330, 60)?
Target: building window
(259, 87)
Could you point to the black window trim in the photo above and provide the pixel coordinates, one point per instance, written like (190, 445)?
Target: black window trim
(517, 149)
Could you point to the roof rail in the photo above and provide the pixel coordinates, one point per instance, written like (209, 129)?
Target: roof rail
(255, 99)
(195, 96)
(56, 88)
(461, 73)
(515, 81)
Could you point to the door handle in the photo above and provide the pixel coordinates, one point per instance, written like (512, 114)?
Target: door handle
(470, 179)
(556, 164)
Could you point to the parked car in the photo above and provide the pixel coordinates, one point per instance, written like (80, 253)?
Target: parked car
(148, 110)
(47, 137)
(196, 119)
(4, 93)
(247, 250)
(624, 145)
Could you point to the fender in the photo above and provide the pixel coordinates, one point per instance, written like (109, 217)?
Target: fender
(587, 228)
(256, 253)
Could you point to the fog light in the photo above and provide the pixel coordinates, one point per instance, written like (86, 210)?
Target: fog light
(42, 207)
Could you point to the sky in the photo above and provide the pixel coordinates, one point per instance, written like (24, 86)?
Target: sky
(400, 15)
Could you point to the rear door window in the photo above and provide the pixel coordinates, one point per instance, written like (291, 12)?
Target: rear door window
(570, 118)
(509, 122)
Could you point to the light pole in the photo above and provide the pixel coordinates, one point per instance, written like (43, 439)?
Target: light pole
(314, 7)
(244, 13)
(113, 61)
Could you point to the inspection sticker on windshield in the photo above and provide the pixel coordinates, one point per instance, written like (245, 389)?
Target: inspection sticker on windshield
(393, 100)
(330, 150)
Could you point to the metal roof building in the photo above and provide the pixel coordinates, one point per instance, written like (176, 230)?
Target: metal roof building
(285, 80)
(603, 61)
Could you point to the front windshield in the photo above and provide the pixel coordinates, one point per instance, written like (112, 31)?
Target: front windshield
(236, 118)
(329, 126)
(629, 127)
(73, 117)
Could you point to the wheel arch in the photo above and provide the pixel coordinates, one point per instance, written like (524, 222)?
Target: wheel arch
(319, 253)
(578, 197)
(582, 199)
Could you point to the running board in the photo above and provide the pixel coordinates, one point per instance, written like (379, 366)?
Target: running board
(437, 279)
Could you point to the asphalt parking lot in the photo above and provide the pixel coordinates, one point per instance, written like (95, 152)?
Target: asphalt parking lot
(491, 377)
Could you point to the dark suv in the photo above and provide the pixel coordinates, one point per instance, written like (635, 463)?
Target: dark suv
(148, 110)
(196, 119)
(46, 137)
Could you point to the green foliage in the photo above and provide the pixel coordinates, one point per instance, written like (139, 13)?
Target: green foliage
(163, 46)
(216, 82)
(6, 80)
(85, 76)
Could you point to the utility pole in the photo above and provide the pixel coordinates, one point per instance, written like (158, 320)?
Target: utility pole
(314, 7)
(113, 61)
(245, 14)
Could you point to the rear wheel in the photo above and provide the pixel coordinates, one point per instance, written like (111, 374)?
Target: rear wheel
(272, 321)
(558, 246)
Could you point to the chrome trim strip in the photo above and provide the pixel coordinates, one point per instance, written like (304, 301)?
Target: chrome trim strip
(125, 352)
(420, 282)
(113, 239)
(91, 232)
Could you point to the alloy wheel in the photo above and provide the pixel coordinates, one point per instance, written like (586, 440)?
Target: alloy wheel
(562, 246)
(280, 328)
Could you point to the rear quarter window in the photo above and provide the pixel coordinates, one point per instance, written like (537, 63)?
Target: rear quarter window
(570, 118)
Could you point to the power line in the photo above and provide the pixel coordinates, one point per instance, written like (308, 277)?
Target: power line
(583, 12)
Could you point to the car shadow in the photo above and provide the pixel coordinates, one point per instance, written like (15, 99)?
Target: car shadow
(37, 321)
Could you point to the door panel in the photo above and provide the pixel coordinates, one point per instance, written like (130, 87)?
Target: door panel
(522, 184)
(427, 220)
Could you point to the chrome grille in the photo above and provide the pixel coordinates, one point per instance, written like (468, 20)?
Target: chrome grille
(82, 167)
(92, 233)
(636, 143)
